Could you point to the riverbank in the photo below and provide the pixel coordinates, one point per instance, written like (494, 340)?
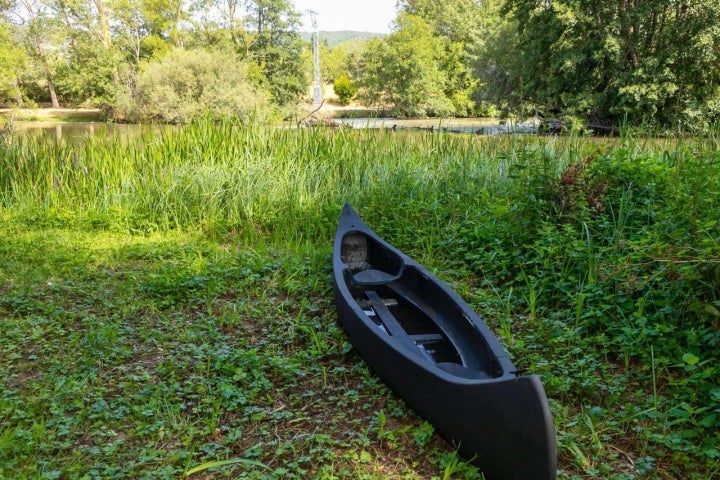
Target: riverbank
(328, 108)
(81, 120)
(354, 115)
(52, 114)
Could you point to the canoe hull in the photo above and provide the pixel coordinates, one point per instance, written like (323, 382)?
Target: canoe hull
(503, 423)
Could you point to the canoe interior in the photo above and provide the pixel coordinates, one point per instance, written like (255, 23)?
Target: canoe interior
(407, 305)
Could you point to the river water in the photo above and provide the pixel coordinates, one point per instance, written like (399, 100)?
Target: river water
(487, 126)
(78, 130)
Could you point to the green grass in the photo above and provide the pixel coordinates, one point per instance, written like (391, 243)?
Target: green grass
(166, 302)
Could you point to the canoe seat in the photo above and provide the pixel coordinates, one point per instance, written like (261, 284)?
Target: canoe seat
(426, 338)
(371, 277)
(389, 302)
(462, 371)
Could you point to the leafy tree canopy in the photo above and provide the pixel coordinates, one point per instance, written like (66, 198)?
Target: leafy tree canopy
(647, 61)
(652, 60)
(404, 70)
(275, 45)
(187, 84)
(13, 60)
(345, 89)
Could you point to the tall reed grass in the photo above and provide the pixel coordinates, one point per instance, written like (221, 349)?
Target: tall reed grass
(283, 182)
(249, 179)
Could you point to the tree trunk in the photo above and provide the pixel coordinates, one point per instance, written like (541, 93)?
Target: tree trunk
(48, 78)
(628, 36)
(232, 6)
(34, 38)
(18, 93)
(104, 23)
(105, 35)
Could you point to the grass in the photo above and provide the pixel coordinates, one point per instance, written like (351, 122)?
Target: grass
(166, 303)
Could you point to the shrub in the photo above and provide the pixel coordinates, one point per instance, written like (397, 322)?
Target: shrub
(188, 84)
(345, 89)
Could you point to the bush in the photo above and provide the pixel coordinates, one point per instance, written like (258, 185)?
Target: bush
(345, 89)
(188, 84)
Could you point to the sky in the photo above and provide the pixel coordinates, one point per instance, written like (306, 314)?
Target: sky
(357, 15)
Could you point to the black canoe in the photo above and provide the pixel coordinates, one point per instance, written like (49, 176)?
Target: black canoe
(425, 342)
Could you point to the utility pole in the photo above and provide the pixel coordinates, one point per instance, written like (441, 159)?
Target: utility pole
(317, 88)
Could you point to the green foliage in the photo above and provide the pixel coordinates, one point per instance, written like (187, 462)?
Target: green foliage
(276, 47)
(40, 31)
(196, 388)
(603, 241)
(496, 64)
(82, 51)
(457, 25)
(158, 18)
(403, 70)
(652, 61)
(345, 89)
(13, 60)
(455, 467)
(88, 76)
(334, 62)
(221, 463)
(188, 84)
(153, 47)
(649, 63)
(426, 65)
(343, 59)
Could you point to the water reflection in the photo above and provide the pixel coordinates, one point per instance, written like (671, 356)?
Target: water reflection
(479, 125)
(74, 131)
(389, 122)
(78, 131)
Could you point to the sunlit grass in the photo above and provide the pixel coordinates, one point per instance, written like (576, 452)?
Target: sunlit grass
(249, 179)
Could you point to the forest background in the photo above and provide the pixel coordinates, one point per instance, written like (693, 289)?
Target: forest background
(639, 62)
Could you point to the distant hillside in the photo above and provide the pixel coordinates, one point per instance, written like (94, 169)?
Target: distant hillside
(334, 39)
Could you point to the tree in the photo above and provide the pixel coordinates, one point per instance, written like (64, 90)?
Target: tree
(81, 45)
(13, 60)
(404, 70)
(164, 18)
(223, 15)
(274, 44)
(457, 26)
(649, 60)
(334, 62)
(89, 70)
(39, 28)
(496, 65)
(133, 33)
(188, 84)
